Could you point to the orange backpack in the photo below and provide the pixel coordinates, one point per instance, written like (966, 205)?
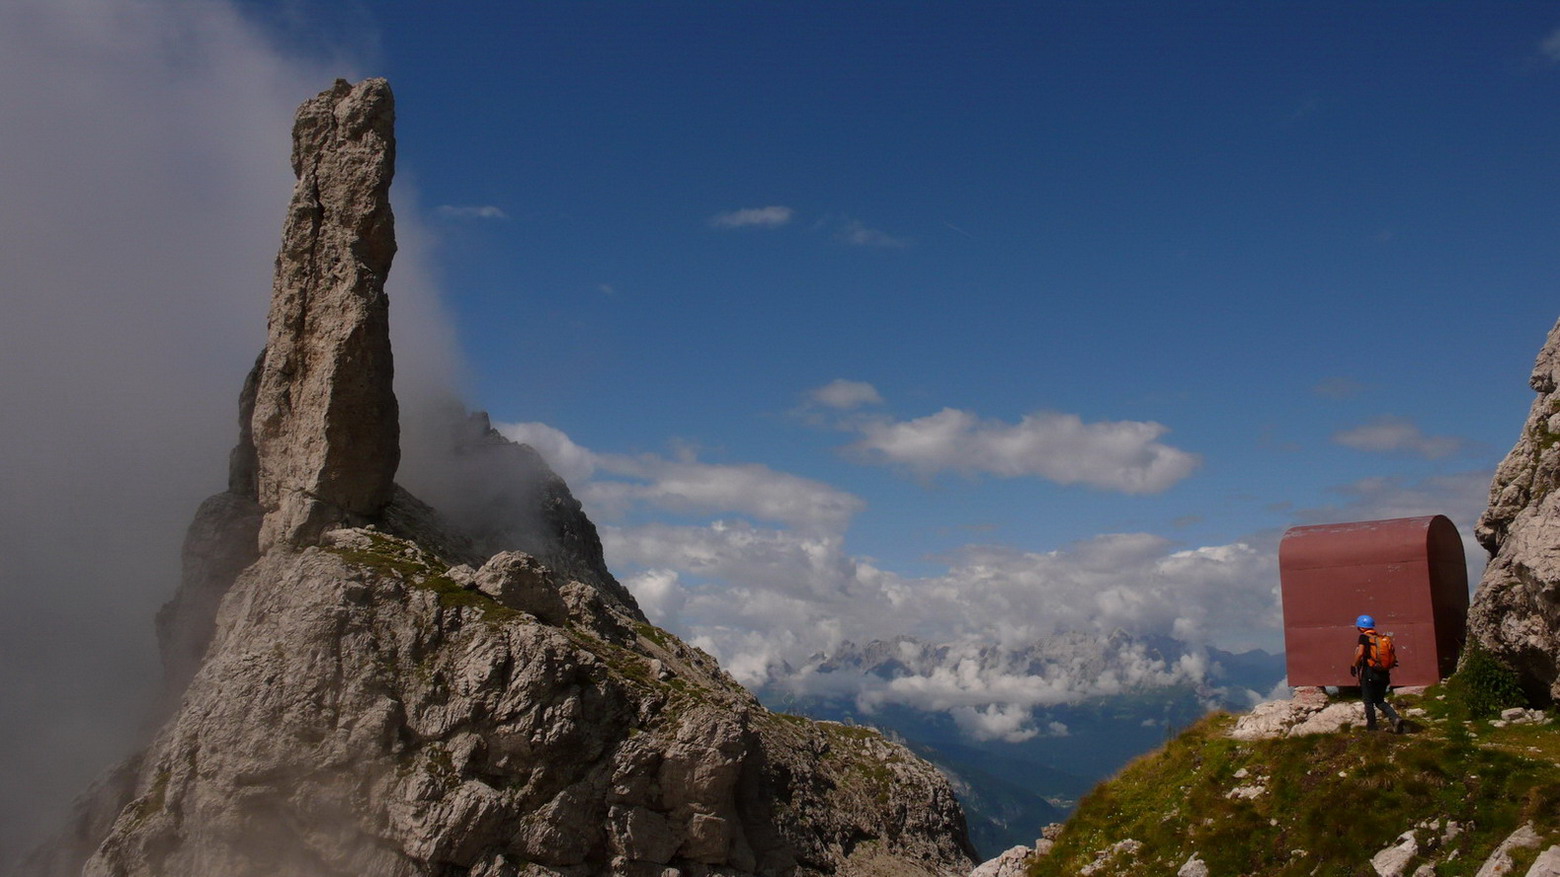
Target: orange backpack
(1380, 653)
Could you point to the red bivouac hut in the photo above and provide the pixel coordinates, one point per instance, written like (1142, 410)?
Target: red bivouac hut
(1409, 573)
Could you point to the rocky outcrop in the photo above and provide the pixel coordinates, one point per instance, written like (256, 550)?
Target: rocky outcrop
(1516, 609)
(360, 711)
(371, 690)
(326, 423)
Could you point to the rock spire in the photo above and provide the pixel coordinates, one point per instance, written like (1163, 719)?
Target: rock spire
(1516, 610)
(326, 423)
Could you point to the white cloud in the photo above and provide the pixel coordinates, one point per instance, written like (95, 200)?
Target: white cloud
(574, 464)
(773, 216)
(659, 593)
(763, 599)
(845, 395)
(996, 721)
(743, 585)
(856, 234)
(484, 211)
(1388, 434)
(1122, 455)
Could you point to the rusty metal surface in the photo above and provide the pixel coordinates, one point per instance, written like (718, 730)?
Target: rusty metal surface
(1407, 572)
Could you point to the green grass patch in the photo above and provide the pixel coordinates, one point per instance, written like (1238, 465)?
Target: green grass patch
(655, 635)
(401, 560)
(1483, 685)
(1328, 802)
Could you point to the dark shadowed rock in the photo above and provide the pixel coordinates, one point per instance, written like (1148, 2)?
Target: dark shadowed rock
(326, 423)
(1516, 610)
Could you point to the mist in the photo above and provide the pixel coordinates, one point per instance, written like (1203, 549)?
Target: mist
(144, 177)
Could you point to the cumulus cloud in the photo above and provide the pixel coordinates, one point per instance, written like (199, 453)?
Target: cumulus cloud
(845, 395)
(773, 216)
(1388, 434)
(1013, 631)
(574, 464)
(483, 211)
(740, 584)
(765, 598)
(1122, 455)
(997, 721)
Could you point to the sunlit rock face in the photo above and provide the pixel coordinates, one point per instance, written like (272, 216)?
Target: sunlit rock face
(326, 423)
(364, 687)
(1516, 610)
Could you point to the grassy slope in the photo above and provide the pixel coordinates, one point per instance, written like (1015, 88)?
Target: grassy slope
(1331, 802)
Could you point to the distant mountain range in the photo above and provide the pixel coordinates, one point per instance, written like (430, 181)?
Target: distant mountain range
(1082, 705)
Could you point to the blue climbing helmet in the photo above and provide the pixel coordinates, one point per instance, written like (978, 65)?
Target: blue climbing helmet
(1364, 621)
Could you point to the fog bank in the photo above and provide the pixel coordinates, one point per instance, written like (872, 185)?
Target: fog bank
(143, 177)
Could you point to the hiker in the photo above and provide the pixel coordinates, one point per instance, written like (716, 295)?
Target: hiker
(1374, 659)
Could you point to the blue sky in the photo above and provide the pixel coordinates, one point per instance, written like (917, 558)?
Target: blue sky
(1174, 277)
(982, 322)
(1313, 243)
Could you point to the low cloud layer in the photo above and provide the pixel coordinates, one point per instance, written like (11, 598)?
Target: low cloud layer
(769, 580)
(1001, 633)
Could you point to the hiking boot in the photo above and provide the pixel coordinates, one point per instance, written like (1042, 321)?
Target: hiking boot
(1399, 727)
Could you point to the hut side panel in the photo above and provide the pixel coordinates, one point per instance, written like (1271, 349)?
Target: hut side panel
(1402, 571)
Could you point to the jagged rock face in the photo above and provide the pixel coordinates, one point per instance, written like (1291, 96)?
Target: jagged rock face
(326, 424)
(360, 712)
(1516, 609)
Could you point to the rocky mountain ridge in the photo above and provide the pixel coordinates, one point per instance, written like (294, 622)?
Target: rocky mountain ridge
(359, 684)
